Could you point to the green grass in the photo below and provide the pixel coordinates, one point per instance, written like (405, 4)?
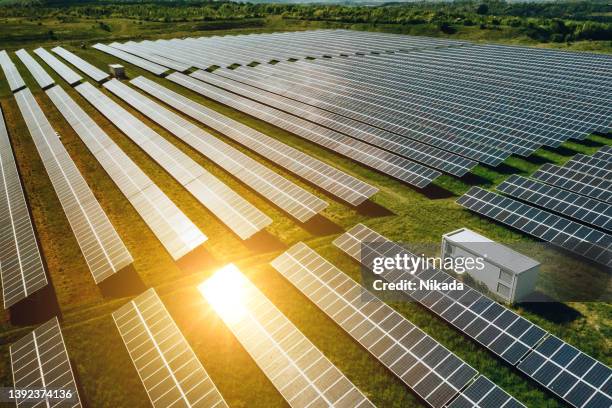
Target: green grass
(103, 366)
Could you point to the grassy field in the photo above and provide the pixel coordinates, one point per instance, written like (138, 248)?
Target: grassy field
(105, 372)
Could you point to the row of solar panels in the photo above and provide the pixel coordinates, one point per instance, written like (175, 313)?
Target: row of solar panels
(100, 245)
(172, 375)
(569, 206)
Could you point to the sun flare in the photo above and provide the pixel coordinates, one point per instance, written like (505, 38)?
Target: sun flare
(225, 291)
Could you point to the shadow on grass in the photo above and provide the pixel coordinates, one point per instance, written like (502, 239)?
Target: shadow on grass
(544, 306)
(434, 192)
(37, 308)
(472, 179)
(561, 150)
(263, 242)
(594, 143)
(319, 225)
(371, 209)
(125, 283)
(505, 168)
(197, 260)
(538, 160)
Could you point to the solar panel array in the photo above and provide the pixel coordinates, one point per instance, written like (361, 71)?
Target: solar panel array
(285, 194)
(385, 162)
(590, 165)
(84, 66)
(21, 268)
(576, 181)
(58, 66)
(567, 372)
(324, 176)
(40, 360)
(351, 102)
(570, 235)
(605, 153)
(167, 366)
(40, 75)
(439, 102)
(394, 143)
(100, 244)
(233, 210)
(10, 72)
(576, 206)
(177, 233)
(132, 59)
(427, 367)
(295, 366)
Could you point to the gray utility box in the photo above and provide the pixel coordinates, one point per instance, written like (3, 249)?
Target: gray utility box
(507, 273)
(116, 70)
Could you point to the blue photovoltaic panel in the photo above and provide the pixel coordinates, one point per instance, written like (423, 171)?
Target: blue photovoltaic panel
(605, 153)
(579, 207)
(575, 181)
(549, 227)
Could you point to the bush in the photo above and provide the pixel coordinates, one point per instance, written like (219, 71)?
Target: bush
(482, 9)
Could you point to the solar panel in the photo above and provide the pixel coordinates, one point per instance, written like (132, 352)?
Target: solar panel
(499, 329)
(483, 393)
(132, 59)
(21, 268)
(385, 162)
(324, 176)
(94, 73)
(167, 366)
(296, 367)
(233, 210)
(574, 376)
(427, 367)
(177, 233)
(395, 143)
(40, 75)
(569, 235)
(10, 72)
(575, 181)
(589, 165)
(283, 193)
(40, 361)
(62, 69)
(605, 153)
(573, 205)
(100, 244)
(502, 331)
